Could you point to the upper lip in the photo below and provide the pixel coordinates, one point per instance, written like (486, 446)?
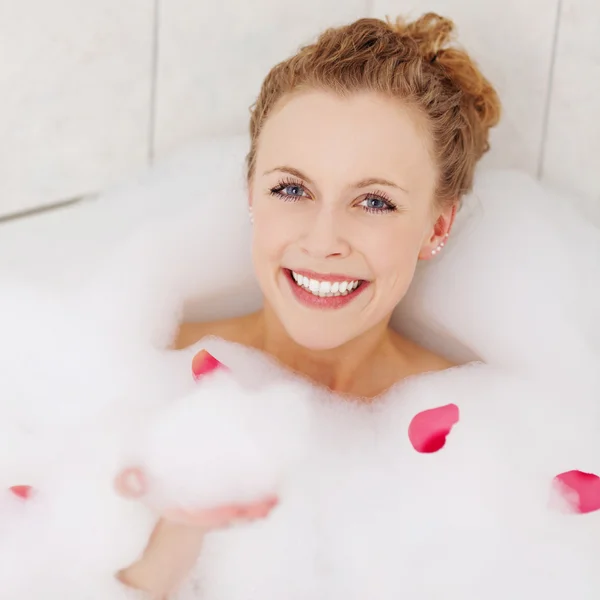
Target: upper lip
(325, 276)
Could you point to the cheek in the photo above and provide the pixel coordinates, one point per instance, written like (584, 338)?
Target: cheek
(393, 255)
(278, 227)
(270, 239)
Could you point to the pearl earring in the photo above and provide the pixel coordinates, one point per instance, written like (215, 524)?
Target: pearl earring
(250, 215)
(442, 244)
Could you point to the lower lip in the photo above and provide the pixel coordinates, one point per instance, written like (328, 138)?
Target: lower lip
(312, 301)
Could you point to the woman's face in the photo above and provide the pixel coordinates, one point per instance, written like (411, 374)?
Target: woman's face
(342, 198)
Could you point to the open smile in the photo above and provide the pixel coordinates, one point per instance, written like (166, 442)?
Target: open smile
(324, 291)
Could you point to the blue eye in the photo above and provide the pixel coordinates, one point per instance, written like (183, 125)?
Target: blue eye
(292, 190)
(289, 190)
(378, 204)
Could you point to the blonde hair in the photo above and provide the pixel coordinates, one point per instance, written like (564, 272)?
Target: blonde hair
(410, 61)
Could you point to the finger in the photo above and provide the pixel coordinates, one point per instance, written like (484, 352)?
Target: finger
(223, 515)
(210, 518)
(258, 511)
(131, 483)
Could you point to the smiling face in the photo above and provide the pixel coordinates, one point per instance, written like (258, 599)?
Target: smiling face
(343, 203)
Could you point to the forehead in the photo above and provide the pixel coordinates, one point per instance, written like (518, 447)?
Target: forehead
(326, 135)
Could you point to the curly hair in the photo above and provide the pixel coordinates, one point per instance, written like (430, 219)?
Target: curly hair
(415, 62)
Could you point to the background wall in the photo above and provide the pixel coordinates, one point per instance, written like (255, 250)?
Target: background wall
(91, 90)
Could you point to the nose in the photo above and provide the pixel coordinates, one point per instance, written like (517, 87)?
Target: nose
(323, 236)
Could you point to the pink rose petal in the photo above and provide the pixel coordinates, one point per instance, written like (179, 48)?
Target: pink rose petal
(581, 489)
(204, 363)
(22, 491)
(428, 429)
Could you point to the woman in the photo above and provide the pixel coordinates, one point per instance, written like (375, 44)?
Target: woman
(362, 146)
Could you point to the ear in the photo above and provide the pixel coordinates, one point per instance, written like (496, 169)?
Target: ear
(440, 232)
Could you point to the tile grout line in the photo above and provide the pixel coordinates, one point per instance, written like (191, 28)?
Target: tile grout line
(549, 92)
(153, 82)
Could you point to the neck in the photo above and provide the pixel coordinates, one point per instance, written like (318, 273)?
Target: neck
(345, 369)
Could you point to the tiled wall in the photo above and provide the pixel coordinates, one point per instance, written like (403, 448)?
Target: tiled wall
(75, 80)
(91, 90)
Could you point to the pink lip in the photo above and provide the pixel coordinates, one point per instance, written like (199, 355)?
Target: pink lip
(326, 277)
(312, 301)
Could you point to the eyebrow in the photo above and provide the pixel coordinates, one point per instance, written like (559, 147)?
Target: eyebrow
(359, 184)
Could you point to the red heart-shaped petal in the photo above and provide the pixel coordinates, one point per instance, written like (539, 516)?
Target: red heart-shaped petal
(204, 363)
(582, 490)
(22, 491)
(428, 429)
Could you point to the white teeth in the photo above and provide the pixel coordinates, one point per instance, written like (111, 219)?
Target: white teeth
(325, 289)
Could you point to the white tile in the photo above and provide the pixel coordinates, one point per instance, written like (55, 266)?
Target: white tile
(572, 153)
(214, 54)
(74, 96)
(512, 42)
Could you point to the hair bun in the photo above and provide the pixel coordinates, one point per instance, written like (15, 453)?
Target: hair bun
(431, 33)
(434, 36)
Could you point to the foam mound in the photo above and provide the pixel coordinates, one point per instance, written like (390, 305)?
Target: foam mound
(474, 482)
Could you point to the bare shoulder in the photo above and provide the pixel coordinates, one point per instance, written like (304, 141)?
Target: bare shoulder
(237, 330)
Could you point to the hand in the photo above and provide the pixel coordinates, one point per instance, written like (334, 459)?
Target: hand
(175, 544)
(131, 484)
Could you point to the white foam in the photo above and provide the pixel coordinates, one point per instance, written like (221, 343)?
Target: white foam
(88, 387)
